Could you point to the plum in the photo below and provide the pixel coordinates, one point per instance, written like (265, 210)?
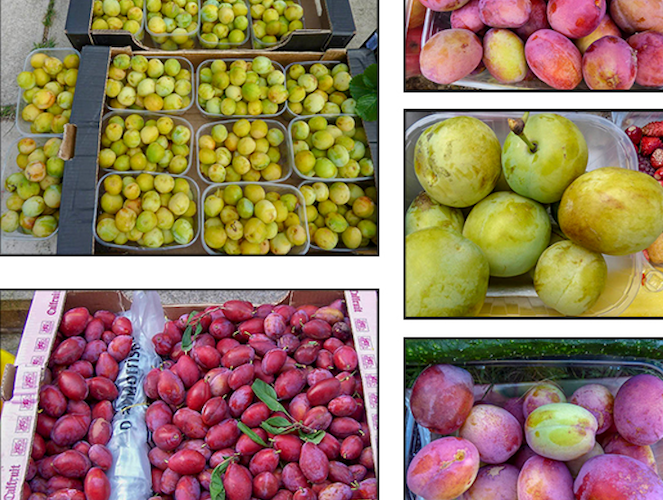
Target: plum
(615, 477)
(424, 212)
(443, 5)
(609, 64)
(467, 17)
(450, 55)
(494, 431)
(617, 445)
(445, 274)
(518, 232)
(605, 28)
(560, 431)
(538, 20)
(599, 401)
(504, 55)
(575, 18)
(544, 479)
(638, 15)
(443, 469)
(540, 395)
(575, 465)
(554, 59)
(442, 398)
(494, 482)
(505, 13)
(638, 410)
(649, 47)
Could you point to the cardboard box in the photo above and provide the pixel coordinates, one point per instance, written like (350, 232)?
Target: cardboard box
(21, 381)
(82, 139)
(330, 27)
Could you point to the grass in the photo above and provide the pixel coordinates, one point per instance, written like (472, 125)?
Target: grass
(50, 12)
(48, 44)
(8, 112)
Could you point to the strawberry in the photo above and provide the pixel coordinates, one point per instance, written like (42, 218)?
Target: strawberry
(658, 175)
(653, 129)
(657, 159)
(635, 134)
(650, 144)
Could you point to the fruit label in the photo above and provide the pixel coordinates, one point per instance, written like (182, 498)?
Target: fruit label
(363, 313)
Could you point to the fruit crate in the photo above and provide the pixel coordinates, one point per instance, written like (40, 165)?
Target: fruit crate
(22, 125)
(608, 145)
(521, 375)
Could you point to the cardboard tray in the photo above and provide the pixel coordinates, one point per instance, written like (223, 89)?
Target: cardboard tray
(82, 138)
(21, 381)
(330, 26)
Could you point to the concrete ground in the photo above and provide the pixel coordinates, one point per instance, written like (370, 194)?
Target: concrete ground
(21, 28)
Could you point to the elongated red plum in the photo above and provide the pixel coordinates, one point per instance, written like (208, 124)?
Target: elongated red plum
(505, 13)
(467, 17)
(450, 55)
(637, 15)
(575, 18)
(609, 64)
(554, 59)
(538, 20)
(638, 410)
(504, 55)
(442, 398)
(617, 477)
(605, 28)
(494, 431)
(443, 5)
(649, 46)
(494, 482)
(443, 469)
(544, 479)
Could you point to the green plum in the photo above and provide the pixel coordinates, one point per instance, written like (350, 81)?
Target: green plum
(424, 212)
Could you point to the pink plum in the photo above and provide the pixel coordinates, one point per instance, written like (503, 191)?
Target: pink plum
(554, 59)
(450, 55)
(649, 46)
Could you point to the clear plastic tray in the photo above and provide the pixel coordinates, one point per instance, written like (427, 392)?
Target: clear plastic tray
(439, 21)
(10, 167)
(186, 64)
(22, 125)
(177, 120)
(343, 250)
(268, 187)
(307, 65)
(139, 35)
(133, 246)
(608, 145)
(208, 62)
(228, 45)
(161, 40)
(284, 148)
(570, 375)
(330, 119)
(257, 44)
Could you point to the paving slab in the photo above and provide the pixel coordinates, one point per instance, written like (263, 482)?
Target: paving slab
(21, 27)
(56, 30)
(365, 13)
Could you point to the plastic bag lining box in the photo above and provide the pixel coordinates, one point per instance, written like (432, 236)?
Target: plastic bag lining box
(329, 24)
(21, 381)
(83, 134)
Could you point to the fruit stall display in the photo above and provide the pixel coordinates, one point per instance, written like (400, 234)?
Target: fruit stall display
(548, 216)
(228, 401)
(558, 44)
(481, 428)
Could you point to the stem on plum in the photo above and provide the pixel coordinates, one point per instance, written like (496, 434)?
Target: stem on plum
(517, 126)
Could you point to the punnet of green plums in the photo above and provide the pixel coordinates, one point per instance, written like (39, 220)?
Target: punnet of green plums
(341, 215)
(527, 207)
(34, 191)
(149, 83)
(244, 150)
(146, 210)
(48, 92)
(223, 24)
(118, 15)
(253, 219)
(319, 89)
(141, 143)
(273, 20)
(172, 24)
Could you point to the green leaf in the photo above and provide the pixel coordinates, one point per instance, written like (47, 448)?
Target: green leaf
(216, 489)
(359, 87)
(367, 107)
(267, 395)
(249, 432)
(278, 422)
(187, 344)
(314, 438)
(271, 429)
(371, 76)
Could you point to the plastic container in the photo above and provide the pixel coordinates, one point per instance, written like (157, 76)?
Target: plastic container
(284, 148)
(331, 119)
(186, 64)
(208, 62)
(133, 246)
(268, 187)
(148, 116)
(227, 45)
(257, 44)
(139, 35)
(8, 169)
(341, 249)
(569, 374)
(166, 41)
(22, 125)
(608, 146)
(439, 21)
(307, 65)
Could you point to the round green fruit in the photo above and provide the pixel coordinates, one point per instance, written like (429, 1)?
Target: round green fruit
(424, 212)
